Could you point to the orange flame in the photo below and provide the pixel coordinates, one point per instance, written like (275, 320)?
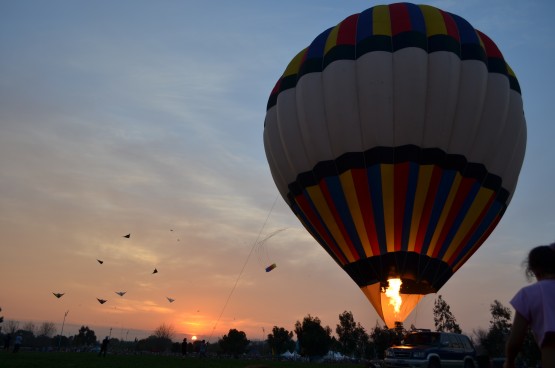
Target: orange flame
(392, 292)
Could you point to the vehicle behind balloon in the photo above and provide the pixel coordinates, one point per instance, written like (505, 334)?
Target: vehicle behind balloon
(432, 350)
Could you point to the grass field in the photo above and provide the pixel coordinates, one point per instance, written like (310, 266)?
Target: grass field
(91, 360)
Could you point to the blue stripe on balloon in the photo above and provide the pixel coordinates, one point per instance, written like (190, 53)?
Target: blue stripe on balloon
(445, 184)
(343, 211)
(465, 207)
(409, 204)
(318, 45)
(312, 230)
(417, 21)
(486, 222)
(375, 184)
(467, 33)
(365, 25)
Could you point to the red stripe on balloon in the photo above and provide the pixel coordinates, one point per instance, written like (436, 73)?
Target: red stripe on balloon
(475, 247)
(462, 192)
(360, 178)
(320, 228)
(472, 230)
(338, 220)
(427, 210)
(450, 25)
(491, 48)
(346, 34)
(400, 18)
(400, 184)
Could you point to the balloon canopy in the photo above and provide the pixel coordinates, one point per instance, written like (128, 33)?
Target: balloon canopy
(397, 137)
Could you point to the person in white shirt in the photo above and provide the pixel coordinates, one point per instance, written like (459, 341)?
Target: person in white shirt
(535, 308)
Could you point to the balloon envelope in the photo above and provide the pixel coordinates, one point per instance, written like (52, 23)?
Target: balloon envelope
(397, 137)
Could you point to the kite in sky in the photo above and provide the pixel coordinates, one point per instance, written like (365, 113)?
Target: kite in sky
(121, 293)
(99, 261)
(271, 267)
(58, 295)
(170, 299)
(101, 301)
(155, 271)
(127, 236)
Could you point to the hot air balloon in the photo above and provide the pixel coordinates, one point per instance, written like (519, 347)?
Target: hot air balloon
(397, 138)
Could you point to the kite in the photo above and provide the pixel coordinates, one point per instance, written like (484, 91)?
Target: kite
(170, 299)
(58, 295)
(127, 236)
(396, 138)
(155, 271)
(101, 301)
(121, 293)
(99, 261)
(271, 267)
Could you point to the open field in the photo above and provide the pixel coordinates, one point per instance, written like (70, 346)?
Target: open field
(91, 360)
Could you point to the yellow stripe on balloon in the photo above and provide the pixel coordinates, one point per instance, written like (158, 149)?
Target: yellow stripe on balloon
(387, 171)
(444, 214)
(476, 209)
(349, 189)
(323, 209)
(331, 42)
(295, 64)
(424, 178)
(313, 230)
(381, 21)
(435, 24)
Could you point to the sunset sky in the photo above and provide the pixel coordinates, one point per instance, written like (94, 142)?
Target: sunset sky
(146, 117)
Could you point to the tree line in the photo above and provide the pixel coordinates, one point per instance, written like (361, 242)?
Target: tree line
(313, 340)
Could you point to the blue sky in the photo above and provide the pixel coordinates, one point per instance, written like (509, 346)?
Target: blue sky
(140, 117)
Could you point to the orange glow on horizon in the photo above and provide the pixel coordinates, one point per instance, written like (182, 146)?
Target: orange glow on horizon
(194, 338)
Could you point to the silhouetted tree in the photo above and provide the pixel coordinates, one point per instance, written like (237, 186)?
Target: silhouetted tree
(85, 337)
(499, 327)
(530, 353)
(30, 327)
(313, 339)
(493, 340)
(165, 331)
(234, 343)
(352, 337)
(154, 344)
(12, 326)
(280, 340)
(63, 341)
(381, 339)
(444, 320)
(47, 329)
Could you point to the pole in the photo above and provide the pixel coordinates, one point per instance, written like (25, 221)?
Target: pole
(62, 332)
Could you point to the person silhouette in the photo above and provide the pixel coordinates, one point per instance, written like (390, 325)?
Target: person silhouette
(535, 308)
(184, 347)
(104, 347)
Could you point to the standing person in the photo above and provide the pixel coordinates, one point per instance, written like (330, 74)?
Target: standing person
(7, 340)
(17, 343)
(184, 347)
(535, 308)
(104, 346)
(202, 349)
